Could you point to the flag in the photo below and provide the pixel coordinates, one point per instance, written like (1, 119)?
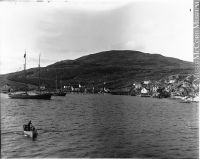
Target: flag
(25, 54)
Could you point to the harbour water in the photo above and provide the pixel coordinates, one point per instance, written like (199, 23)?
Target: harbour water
(88, 125)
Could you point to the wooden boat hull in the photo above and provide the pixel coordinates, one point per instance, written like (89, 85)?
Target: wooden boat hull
(145, 95)
(28, 96)
(32, 134)
(59, 94)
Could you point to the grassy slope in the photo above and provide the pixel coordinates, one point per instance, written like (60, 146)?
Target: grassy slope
(117, 68)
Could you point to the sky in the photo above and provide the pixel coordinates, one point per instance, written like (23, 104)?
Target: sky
(68, 29)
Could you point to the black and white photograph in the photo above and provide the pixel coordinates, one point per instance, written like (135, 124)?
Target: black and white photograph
(99, 78)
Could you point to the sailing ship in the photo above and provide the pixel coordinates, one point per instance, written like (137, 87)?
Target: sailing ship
(26, 94)
(59, 92)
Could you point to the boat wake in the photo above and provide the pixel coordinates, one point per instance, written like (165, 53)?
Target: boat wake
(12, 132)
(42, 131)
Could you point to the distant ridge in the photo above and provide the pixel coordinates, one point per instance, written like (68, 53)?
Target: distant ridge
(118, 68)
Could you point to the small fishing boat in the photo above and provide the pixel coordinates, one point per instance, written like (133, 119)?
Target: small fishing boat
(189, 99)
(32, 132)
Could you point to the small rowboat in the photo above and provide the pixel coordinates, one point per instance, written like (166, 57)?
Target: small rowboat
(32, 133)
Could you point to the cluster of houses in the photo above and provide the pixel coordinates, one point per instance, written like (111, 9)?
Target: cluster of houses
(173, 86)
(78, 88)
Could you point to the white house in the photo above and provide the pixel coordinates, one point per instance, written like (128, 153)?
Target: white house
(155, 88)
(172, 81)
(137, 85)
(42, 87)
(146, 82)
(144, 91)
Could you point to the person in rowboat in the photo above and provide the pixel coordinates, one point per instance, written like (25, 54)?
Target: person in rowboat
(29, 125)
(30, 130)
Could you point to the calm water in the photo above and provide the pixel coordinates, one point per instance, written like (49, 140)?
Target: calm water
(100, 126)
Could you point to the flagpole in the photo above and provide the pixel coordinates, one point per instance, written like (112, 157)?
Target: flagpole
(39, 74)
(61, 83)
(56, 81)
(25, 61)
(25, 70)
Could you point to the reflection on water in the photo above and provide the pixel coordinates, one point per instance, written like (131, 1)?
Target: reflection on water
(100, 126)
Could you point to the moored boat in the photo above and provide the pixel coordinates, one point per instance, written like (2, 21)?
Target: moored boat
(61, 93)
(145, 95)
(196, 99)
(25, 95)
(190, 99)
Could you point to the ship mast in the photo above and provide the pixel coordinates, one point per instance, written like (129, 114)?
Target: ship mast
(56, 81)
(39, 74)
(25, 71)
(61, 83)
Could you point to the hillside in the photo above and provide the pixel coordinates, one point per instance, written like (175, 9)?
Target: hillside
(118, 68)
